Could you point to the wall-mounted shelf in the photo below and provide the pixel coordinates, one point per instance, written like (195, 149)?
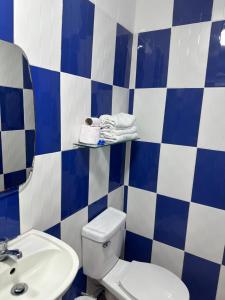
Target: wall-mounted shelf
(81, 145)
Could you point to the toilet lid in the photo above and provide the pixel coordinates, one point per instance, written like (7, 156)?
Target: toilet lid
(144, 281)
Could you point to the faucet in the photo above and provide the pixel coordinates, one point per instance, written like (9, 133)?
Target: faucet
(5, 252)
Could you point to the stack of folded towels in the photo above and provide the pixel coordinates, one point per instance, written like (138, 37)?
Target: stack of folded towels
(118, 128)
(109, 129)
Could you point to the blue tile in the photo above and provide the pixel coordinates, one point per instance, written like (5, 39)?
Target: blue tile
(209, 187)
(144, 165)
(124, 40)
(78, 286)
(153, 58)
(77, 37)
(215, 75)
(27, 84)
(75, 177)
(101, 99)
(131, 102)
(47, 110)
(14, 179)
(182, 116)
(97, 207)
(9, 214)
(6, 20)
(171, 221)
(117, 165)
(191, 11)
(12, 112)
(125, 198)
(30, 145)
(201, 277)
(137, 248)
(55, 231)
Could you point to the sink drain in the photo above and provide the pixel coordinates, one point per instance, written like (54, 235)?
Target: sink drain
(19, 289)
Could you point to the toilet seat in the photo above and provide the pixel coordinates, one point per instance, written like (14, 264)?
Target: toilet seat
(144, 281)
(141, 281)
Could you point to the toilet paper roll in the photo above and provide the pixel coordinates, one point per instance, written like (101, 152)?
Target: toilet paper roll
(89, 134)
(93, 122)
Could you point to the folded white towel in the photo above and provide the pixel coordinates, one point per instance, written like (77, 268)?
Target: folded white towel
(121, 138)
(119, 121)
(89, 134)
(111, 133)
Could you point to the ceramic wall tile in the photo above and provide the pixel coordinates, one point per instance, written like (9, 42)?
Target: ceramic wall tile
(153, 15)
(73, 89)
(40, 197)
(41, 30)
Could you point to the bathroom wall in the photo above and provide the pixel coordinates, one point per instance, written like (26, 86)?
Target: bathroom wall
(175, 189)
(80, 55)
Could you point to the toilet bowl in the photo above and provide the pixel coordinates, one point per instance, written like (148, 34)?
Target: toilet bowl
(102, 241)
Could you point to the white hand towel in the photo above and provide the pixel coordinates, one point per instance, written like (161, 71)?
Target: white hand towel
(120, 120)
(89, 134)
(111, 133)
(121, 138)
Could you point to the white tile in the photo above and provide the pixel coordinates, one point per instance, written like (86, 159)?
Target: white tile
(153, 15)
(122, 12)
(104, 42)
(98, 174)
(133, 62)
(37, 29)
(110, 7)
(149, 108)
(71, 231)
(168, 257)
(141, 212)
(176, 171)
(188, 55)
(116, 198)
(120, 100)
(127, 163)
(221, 285)
(206, 232)
(218, 12)
(212, 124)
(40, 198)
(13, 150)
(126, 14)
(74, 91)
(11, 74)
(28, 103)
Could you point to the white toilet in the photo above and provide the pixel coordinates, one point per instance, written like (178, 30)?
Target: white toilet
(102, 241)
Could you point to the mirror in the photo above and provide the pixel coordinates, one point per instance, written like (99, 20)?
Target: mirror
(17, 122)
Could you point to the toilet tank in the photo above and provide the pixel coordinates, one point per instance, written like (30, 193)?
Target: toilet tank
(102, 241)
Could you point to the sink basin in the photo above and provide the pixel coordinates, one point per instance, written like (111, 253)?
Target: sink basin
(48, 267)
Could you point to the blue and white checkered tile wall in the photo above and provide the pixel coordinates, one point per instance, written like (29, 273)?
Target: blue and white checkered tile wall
(175, 186)
(80, 56)
(174, 175)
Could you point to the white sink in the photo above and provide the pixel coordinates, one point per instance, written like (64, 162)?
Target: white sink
(48, 267)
